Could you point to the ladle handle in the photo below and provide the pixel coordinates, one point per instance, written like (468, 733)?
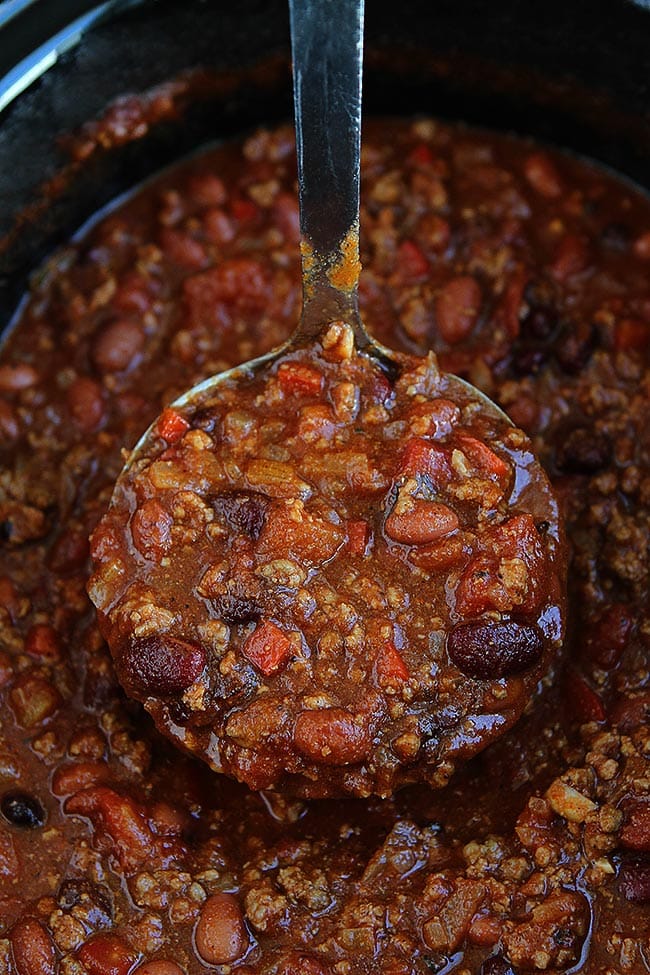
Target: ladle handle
(327, 48)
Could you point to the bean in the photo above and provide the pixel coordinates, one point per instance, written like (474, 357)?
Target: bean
(634, 881)
(423, 521)
(457, 307)
(220, 934)
(571, 257)
(242, 511)
(105, 954)
(159, 967)
(541, 173)
(635, 834)
(117, 346)
(32, 947)
(491, 651)
(151, 527)
(22, 809)
(161, 664)
(86, 403)
(217, 226)
(330, 737)
(496, 965)
(70, 779)
(15, 378)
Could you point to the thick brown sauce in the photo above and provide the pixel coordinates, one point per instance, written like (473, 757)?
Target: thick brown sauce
(527, 272)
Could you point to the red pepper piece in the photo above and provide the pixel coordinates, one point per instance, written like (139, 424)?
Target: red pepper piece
(390, 666)
(171, 425)
(299, 379)
(422, 457)
(358, 537)
(268, 648)
(483, 459)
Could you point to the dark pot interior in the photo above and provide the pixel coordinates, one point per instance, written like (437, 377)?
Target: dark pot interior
(571, 73)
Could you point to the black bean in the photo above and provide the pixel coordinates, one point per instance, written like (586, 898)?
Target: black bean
(527, 360)
(243, 511)
(496, 965)
(22, 809)
(575, 347)
(234, 608)
(540, 323)
(616, 237)
(634, 880)
(491, 650)
(583, 451)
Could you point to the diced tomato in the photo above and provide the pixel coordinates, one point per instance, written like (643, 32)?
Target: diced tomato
(171, 425)
(422, 457)
(299, 379)
(390, 666)
(411, 262)
(483, 459)
(268, 648)
(582, 701)
(244, 210)
(421, 155)
(358, 537)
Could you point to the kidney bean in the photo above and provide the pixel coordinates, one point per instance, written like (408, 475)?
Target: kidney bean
(70, 779)
(571, 257)
(183, 249)
(69, 551)
(43, 642)
(151, 528)
(207, 189)
(220, 934)
(159, 967)
(456, 308)
(541, 172)
(330, 737)
(217, 226)
(22, 809)
(15, 378)
(106, 954)
(421, 522)
(118, 346)
(635, 834)
(32, 947)
(243, 511)
(86, 403)
(642, 246)
(492, 650)
(634, 880)
(161, 664)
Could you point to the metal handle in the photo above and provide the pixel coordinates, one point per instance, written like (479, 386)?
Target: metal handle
(327, 48)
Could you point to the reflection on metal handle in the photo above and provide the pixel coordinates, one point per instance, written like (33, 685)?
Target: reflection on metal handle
(327, 48)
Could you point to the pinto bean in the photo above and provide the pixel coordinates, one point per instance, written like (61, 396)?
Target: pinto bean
(32, 947)
(457, 307)
(118, 345)
(220, 934)
(330, 736)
